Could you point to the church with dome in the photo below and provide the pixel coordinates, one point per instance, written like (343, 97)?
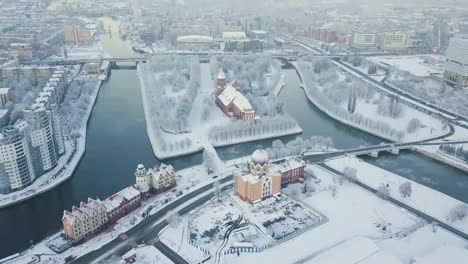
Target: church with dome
(260, 182)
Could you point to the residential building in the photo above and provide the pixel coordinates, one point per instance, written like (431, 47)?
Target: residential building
(395, 40)
(364, 40)
(85, 220)
(4, 96)
(260, 182)
(231, 101)
(92, 68)
(456, 65)
(154, 180)
(194, 42)
(291, 170)
(234, 36)
(16, 165)
(41, 137)
(122, 203)
(77, 35)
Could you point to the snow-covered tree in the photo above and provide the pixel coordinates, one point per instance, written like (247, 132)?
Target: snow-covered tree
(457, 213)
(413, 125)
(405, 189)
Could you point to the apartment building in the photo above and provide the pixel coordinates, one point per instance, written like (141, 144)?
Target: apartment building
(456, 65)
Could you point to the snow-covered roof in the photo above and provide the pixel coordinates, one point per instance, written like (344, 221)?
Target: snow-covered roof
(4, 90)
(234, 35)
(85, 209)
(221, 74)
(242, 102)
(232, 95)
(21, 124)
(228, 95)
(117, 199)
(195, 39)
(251, 178)
(259, 156)
(288, 164)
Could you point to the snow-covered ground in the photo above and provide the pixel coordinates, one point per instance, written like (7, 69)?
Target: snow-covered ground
(354, 213)
(205, 121)
(250, 227)
(366, 115)
(418, 65)
(75, 149)
(427, 200)
(146, 254)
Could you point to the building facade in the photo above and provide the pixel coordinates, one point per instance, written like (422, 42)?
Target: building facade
(83, 221)
(41, 135)
(260, 182)
(395, 40)
(16, 165)
(122, 203)
(194, 42)
(231, 101)
(291, 170)
(154, 180)
(3, 96)
(456, 65)
(77, 35)
(41, 130)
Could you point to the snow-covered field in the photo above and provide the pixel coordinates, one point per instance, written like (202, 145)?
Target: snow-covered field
(230, 225)
(362, 106)
(357, 215)
(427, 200)
(205, 124)
(75, 149)
(417, 65)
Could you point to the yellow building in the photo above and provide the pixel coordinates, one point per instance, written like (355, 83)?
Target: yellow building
(260, 182)
(395, 40)
(77, 35)
(84, 220)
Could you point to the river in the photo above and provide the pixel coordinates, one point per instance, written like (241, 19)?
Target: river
(117, 141)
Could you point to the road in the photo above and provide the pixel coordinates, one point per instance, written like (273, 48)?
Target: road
(148, 229)
(415, 211)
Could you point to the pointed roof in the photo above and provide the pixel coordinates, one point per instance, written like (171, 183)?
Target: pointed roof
(221, 74)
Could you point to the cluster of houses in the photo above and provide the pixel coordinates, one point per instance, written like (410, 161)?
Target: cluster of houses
(230, 100)
(264, 179)
(92, 216)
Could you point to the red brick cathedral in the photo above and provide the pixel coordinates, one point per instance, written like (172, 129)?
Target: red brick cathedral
(230, 100)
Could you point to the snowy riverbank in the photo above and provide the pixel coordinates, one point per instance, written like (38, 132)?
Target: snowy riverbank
(422, 198)
(75, 149)
(409, 125)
